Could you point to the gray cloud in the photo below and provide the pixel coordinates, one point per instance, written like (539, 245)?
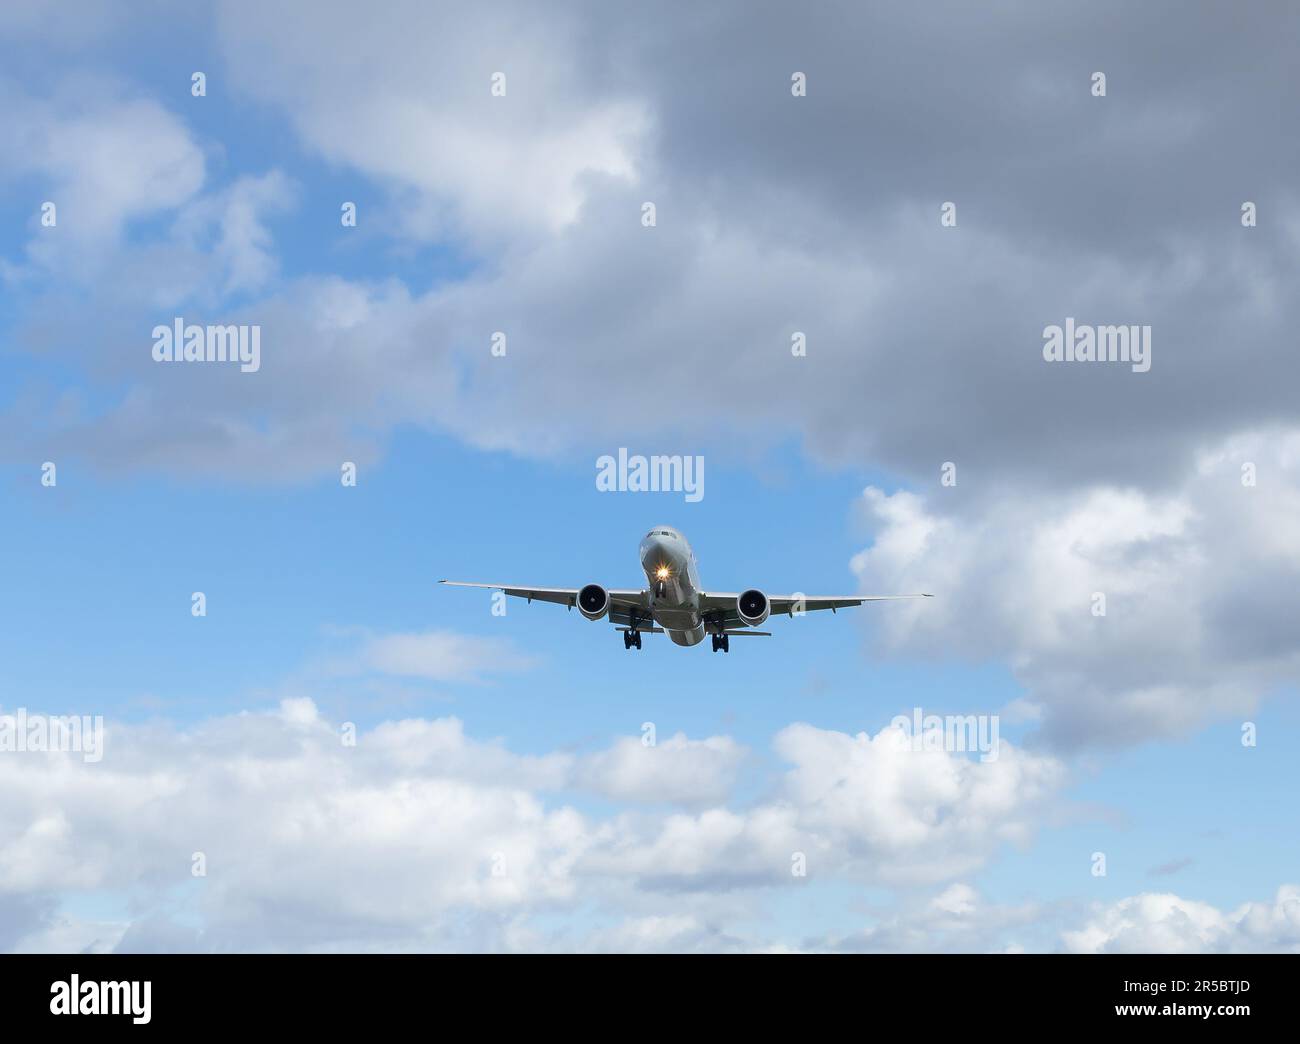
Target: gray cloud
(775, 214)
(821, 214)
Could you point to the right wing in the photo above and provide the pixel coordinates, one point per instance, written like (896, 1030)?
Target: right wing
(722, 606)
(789, 603)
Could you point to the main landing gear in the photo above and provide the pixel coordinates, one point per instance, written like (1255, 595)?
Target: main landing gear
(631, 639)
(721, 641)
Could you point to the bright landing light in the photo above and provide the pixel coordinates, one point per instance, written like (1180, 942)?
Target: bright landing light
(662, 574)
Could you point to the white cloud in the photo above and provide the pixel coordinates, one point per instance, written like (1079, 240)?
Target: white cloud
(957, 899)
(1167, 923)
(230, 227)
(404, 97)
(392, 843)
(440, 746)
(869, 808)
(912, 815)
(1196, 583)
(956, 919)
(308, 842)
(663, 933)
(677, 769)
(442, 656)
(960, 919)
(103, 157)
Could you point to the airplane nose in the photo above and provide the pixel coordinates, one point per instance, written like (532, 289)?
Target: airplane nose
(655, 552)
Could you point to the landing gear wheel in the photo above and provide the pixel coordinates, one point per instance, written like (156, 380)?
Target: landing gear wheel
(720, 641)
(726, 643)
(631, 639)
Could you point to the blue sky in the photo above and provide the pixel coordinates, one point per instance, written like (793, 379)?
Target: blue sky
(520, 734)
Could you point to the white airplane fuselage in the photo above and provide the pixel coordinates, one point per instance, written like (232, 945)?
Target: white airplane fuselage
(674, 580)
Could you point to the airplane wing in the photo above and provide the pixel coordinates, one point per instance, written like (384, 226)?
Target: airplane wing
(559, 595)
(724, 603)
(631, 608)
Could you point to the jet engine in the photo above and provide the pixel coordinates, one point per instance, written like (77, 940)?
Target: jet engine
(753, 607)
(593, 601)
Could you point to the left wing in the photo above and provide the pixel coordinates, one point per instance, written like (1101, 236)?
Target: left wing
(559, 595)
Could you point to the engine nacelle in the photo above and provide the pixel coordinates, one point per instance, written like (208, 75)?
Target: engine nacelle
(753, 607)
(593, 601)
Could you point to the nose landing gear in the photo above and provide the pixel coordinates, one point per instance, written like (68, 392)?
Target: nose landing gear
(721, 641)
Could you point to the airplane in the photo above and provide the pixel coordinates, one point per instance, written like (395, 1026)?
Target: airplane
(675, 602)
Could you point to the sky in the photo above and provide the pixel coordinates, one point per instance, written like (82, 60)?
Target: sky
(338, 754)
